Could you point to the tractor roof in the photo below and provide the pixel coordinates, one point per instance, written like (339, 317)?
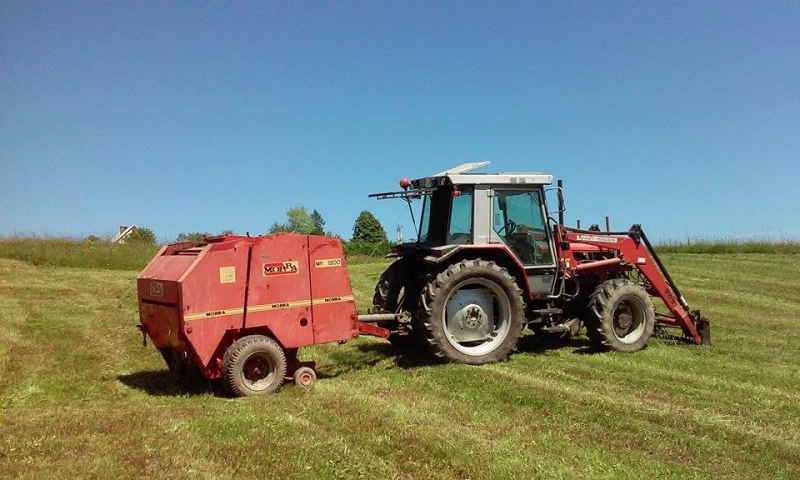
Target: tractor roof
(461, 175)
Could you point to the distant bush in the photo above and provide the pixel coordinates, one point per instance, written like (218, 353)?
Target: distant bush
(70, 252)
(141, 235)
(355, 247)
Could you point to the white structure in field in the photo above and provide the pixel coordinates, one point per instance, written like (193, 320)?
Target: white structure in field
(124, 232)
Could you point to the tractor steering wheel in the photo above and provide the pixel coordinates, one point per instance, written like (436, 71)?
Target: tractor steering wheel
(509, 227)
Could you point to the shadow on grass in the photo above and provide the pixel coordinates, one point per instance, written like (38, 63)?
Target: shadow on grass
(543, 343)
(370, 354)
(164, 383)
(365, 356)
(672, 336)
(404, 357)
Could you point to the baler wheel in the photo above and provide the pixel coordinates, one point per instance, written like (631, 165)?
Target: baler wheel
(620, 317)
(472, 312)
(305, 376)
(254, 365)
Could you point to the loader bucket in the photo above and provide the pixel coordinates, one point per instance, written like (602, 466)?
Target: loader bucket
(704, 329)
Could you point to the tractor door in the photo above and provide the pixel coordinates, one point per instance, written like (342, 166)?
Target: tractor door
(519, 219)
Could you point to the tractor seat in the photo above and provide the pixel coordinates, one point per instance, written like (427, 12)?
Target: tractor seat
(525, 231)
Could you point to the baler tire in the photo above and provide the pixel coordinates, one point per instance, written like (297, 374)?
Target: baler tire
(433, 310)
(304, 377)
(253, 353)
(612, 299)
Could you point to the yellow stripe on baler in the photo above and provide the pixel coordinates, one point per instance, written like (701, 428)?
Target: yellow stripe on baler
(213, 313)
(267, 307)
(279, 306)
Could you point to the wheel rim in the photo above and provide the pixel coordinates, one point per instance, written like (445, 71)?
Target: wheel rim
(259, 371)
(629, 320)
(464, 321)
(306, 379)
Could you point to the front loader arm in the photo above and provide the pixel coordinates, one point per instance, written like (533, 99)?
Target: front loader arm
(625, 251)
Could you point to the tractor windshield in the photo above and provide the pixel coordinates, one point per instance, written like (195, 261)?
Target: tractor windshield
(447, 216)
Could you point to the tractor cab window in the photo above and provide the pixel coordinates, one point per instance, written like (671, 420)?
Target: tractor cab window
(447, 216)
(460, 231)
(519, 219)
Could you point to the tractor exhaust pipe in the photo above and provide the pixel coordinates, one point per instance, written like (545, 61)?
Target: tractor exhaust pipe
(560, 202)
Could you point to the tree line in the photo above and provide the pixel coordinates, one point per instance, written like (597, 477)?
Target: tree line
(369, 236)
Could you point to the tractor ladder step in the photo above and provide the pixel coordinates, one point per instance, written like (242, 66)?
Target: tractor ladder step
(572, 326)
(548, 312)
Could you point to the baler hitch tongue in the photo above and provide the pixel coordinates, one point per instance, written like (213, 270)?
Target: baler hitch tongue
(703, 326)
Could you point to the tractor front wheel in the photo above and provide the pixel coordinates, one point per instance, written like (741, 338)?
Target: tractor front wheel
(621, 316)
(472, 312)
(254, 365)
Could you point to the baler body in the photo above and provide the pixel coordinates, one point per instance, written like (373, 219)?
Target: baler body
(195, 301)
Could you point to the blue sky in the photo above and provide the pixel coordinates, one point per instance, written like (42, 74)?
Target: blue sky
(200, 116)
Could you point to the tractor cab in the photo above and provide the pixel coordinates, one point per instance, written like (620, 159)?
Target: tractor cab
(469, 211)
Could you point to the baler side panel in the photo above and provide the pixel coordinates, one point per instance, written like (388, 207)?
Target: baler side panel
(213, 296)
(279, 296)
(333, 306)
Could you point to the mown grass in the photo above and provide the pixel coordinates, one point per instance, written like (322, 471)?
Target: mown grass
(81, 398)
(71, 252)
(726, 247)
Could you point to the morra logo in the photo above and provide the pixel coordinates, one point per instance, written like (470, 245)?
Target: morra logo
(281, 268)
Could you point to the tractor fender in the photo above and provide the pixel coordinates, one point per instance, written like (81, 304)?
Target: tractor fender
(440, 254)
(497, 253)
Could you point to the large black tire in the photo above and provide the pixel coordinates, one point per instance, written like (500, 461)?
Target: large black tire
(387, 299)
(387, 290)
(485, 280)
(620, 317)
(254, 365)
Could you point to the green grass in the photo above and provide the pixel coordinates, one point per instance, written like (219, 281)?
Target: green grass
(71, 252)
(726, 247)
(81, 398)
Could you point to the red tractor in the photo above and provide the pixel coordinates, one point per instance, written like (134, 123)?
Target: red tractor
(490, 260)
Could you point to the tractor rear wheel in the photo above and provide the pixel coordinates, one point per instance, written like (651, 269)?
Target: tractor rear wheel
(389, 297)
(389, 287)
(620, 317)
(254, 365)
(472, 312)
